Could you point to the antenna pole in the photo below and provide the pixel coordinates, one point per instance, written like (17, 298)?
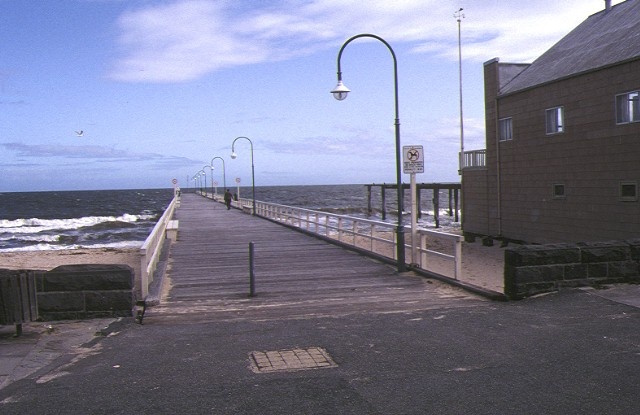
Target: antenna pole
(459, 16)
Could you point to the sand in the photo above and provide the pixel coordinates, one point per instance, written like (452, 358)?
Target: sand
(482, 266)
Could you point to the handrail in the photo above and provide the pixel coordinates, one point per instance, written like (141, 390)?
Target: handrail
(152, 247)
(474, 159)
(371, 235)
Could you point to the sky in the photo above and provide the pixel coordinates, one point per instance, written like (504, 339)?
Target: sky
(160, 89)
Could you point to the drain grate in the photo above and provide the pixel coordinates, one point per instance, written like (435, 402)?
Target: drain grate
(290, 360)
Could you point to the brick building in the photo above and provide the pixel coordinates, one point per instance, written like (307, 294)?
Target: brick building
(562, 157)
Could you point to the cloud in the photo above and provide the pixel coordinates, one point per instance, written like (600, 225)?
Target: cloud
(178, 42)
(17, 102)
(90, 153)
(186, 39)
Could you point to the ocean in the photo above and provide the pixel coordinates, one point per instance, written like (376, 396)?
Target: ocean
(32, 221)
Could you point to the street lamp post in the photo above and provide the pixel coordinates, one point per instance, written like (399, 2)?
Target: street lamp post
(253, 177)
(204, 174)
(210, 167)
(224, 174)
(340, 92)
(196, 181)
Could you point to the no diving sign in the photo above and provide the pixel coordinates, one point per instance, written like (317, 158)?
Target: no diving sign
(412, 159)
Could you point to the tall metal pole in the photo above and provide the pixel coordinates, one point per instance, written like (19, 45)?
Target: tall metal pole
(253, 175)
(400, 248)
(459, 16)
(224, 172)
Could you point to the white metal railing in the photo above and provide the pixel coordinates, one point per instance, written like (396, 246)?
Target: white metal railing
(474, 158)
(152, 247)
(438, 252)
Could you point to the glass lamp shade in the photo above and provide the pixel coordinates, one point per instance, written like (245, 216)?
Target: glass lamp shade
(340, 91)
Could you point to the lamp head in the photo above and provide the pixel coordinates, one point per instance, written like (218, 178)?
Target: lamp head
(340, 91)
(234, 155)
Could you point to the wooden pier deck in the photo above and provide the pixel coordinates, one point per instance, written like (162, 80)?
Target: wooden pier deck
(296, 275)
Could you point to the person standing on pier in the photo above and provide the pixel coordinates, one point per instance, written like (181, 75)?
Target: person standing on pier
(227, 199)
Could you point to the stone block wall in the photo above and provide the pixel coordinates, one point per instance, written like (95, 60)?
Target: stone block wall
(534, 269)
(85, 291)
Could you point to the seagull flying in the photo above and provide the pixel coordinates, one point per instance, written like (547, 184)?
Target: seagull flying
(80, 133)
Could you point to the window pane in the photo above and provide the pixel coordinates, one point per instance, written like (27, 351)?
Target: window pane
(550, 121)
(554, 120)
(622, 109)
(628, 191)
(559, 120)
(558, 191)
(634, 112)
(505, 132)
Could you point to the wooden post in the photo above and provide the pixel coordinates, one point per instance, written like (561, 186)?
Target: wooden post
(455, 195)
(419, 207)
(450, 203)
(368, 200)
(384, 202)
(436, 206)
(252, 276)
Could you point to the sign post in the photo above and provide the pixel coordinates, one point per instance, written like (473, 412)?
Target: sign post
(237, 190)
(413, 162)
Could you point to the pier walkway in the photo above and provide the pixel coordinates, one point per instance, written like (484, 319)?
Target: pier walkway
(296, 275)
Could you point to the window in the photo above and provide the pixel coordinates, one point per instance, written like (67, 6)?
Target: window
(505, 129)
(555, 120)
(558, 191)
(628, 191)
(627, 108)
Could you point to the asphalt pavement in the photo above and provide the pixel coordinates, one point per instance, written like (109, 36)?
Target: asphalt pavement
(572, 352)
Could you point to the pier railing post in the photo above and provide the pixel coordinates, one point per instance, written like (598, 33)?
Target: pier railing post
(252, 277)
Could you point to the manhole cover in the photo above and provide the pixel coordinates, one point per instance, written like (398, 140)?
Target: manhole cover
(289, 360)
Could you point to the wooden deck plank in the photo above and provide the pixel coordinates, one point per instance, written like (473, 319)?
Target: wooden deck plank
(297, 275)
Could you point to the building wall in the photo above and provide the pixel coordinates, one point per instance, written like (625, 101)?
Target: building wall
(479, 186)
(475, 213)
(591, 157)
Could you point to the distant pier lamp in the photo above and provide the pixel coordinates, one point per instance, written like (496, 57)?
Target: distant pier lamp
(203, 183)
(224, 174)
(253, 177)
(204, 174)
(340, 92)
(210, 167)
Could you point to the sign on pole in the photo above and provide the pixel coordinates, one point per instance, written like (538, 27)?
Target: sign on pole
(412, 159)
(413, 162)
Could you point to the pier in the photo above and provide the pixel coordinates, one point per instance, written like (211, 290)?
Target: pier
(208, 272)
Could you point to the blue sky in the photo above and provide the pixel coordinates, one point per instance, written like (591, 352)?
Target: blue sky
(160, 88)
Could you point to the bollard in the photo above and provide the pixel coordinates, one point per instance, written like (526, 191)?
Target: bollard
(252, 277)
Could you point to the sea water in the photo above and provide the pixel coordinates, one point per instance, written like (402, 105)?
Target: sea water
(31, 221)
